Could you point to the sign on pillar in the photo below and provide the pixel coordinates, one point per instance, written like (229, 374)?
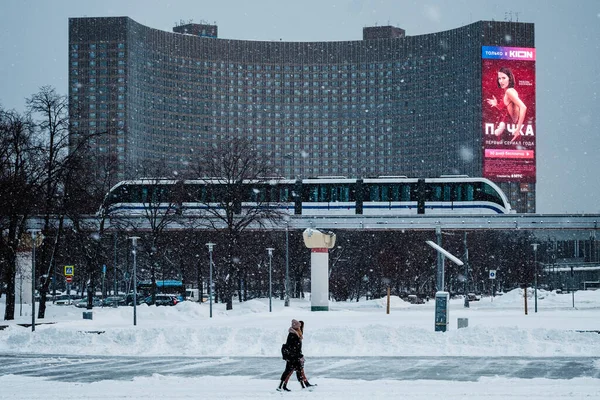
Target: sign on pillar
(69, 272)
(319, 243)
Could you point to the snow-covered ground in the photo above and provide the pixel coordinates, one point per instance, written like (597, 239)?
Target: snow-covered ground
(496, 328)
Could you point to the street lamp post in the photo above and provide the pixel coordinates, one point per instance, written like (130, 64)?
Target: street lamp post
(466, 261)
(134, 240)
(572, 286)
(442, 298)
(535, 278)
(53, 283)
(115, 264)
(270, 250)
(210, 279)
(34, 233)
(287, 266)
(440, 260)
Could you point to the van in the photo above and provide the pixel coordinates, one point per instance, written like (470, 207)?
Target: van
(193, 294)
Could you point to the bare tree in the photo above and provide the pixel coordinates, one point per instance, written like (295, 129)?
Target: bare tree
(53, 130)
(84, 194)
(227, 170)
(19, 179)
(162, 207)
(70, 183)
(51, 111)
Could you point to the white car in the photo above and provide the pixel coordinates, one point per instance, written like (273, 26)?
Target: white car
(473, 297)
(64, 300)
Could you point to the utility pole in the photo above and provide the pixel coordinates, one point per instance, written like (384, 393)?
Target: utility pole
(466, 261)
(134, 240)
(535, 278)
(440, 260)
(210, 278)
(270, 250)
(287, 266)
(34, 235)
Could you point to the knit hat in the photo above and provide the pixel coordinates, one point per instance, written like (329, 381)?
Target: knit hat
(295, 324)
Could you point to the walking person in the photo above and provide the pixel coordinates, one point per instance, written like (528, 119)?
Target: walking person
(292, 354)
(300, 374)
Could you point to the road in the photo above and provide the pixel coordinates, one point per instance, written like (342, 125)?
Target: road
(94, 368)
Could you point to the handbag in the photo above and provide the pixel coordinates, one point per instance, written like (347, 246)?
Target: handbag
(285, 351)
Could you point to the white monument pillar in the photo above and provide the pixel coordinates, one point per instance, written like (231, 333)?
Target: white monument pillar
(23, 279)
(319, 243)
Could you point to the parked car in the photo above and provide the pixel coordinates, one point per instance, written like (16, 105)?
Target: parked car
(414, 299)
(65, 300)
(113, 301)
(473, 297)
(163, 300)
(82, 303)
(139, 299)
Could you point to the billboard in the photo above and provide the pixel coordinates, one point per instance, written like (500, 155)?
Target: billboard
(508, 108)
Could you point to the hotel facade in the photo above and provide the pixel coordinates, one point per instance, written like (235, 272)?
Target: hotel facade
(389, 104)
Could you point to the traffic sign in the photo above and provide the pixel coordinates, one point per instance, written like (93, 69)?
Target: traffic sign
(69, 270)
(69, 278)
(492, 274)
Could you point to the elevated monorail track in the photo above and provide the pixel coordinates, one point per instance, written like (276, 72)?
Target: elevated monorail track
(581, 222)
(467, 222)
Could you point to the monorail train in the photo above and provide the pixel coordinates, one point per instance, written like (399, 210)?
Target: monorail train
(327, 196)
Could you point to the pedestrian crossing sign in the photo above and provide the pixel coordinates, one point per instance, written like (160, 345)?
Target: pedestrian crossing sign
(69, 270)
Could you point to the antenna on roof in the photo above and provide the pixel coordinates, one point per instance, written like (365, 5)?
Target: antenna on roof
(508, 16)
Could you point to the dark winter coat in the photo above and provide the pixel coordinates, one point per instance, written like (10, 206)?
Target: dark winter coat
(294, 344)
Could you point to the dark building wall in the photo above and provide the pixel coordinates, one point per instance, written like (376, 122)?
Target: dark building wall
(98, 70)
(382, 32)
(385, 106)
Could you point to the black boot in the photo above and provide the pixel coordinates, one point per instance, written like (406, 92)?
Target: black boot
(302, 384)
(283, 386)
(307, 384)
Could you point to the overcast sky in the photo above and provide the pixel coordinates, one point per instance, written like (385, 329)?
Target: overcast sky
(34, 43)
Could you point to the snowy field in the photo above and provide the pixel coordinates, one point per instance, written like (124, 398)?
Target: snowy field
(496, 328)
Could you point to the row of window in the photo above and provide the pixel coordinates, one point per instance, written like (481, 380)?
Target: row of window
(93, 54)
(304, 77)
(363, 69)
(98, 46)
(209, 65)
(94, 63)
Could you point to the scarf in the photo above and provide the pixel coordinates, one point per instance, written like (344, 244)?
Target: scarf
(297, 332)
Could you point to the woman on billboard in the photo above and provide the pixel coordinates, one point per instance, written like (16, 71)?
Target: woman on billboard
(512, 109)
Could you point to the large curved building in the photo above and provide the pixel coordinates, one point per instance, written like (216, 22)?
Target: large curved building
(389, 104)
